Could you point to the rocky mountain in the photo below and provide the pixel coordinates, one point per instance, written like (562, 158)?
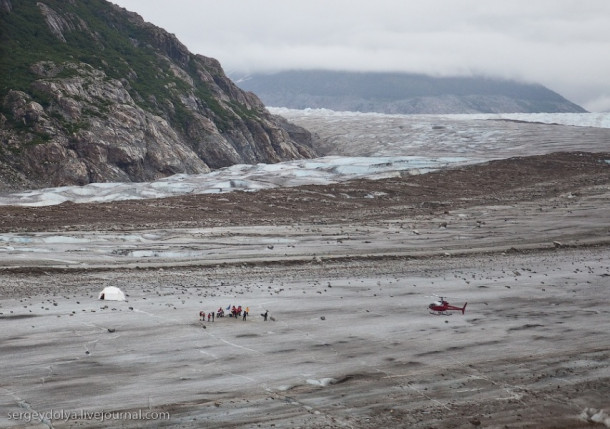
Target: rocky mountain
(90, 92)
(401, 93)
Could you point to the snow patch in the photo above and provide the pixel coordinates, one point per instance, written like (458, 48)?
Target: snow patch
(593, 415)
(323, 382)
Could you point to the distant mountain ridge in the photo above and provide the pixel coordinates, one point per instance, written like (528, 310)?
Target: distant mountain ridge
(401, 93)
(90, 92)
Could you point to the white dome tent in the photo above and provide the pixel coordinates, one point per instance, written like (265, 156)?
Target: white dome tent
(112, 293)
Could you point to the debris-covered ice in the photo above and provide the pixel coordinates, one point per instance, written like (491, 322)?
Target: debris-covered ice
(403, 143)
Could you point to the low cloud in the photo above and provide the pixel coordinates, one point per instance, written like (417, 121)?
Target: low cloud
(561, 44)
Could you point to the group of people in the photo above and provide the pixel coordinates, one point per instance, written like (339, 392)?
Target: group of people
(202, 315)
(234, 312)
(237, 311)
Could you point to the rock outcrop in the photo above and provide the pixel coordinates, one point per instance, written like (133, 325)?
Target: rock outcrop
(118, 99)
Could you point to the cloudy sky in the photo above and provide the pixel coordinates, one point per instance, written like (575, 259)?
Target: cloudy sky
(562, 44)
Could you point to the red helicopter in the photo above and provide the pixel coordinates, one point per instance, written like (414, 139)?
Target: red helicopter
(442, 307)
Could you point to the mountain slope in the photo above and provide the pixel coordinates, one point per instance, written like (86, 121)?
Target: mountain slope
(401, 93)
(89, 92)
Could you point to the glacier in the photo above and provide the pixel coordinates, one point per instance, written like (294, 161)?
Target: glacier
(367, 145)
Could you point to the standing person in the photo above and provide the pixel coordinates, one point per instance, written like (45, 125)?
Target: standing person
(245, 314)
(209, 316)
(212, 316)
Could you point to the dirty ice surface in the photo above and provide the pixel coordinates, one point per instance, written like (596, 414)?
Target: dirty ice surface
(243, 177)
(412, 143)
(535, 331)
(351, 343)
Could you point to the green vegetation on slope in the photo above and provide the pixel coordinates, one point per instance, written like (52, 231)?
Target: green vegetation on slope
(106, 39)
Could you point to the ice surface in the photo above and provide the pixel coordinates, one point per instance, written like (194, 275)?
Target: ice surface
(526, 343)
(598, 120)
(351, 342)
(238, 177)
(414, 143)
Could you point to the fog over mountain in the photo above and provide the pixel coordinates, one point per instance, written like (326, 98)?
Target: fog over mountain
(403, 93)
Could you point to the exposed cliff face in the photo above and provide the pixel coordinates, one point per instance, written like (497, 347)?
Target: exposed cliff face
(103, 96)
